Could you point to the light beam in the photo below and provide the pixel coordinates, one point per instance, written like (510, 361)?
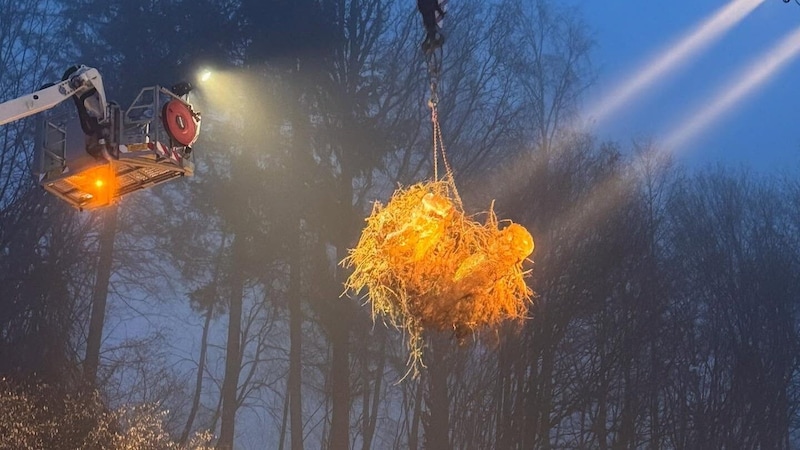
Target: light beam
(702, 36)
(756, 75)
(606, 195)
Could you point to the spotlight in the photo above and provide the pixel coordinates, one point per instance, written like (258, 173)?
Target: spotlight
(205, 75)
(181, 89)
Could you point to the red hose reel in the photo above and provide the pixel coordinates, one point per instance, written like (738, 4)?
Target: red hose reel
(182, 124)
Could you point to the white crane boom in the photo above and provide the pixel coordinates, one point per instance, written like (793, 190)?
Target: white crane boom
(82, 81)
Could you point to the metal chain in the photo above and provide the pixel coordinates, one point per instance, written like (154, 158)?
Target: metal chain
(434, 70)
(433, 74)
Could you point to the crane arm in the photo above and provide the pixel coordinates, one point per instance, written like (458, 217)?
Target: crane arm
(84, 82)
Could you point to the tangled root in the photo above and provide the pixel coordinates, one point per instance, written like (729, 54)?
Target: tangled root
(426, 265)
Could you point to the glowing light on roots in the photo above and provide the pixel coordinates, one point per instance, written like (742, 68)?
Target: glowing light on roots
(701, 37)
(758, 73)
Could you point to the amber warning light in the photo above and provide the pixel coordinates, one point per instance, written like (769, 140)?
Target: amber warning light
(89, 189)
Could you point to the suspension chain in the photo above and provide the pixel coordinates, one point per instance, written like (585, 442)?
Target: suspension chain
(434, 69)
(433, 59)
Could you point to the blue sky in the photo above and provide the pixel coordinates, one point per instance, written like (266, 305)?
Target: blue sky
(762, 131)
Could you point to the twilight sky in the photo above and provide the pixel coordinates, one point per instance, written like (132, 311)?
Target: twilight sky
(760, 131)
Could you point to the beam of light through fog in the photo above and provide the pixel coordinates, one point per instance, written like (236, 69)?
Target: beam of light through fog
(756, 75)
(695, 40)
(606, 195)
(230, 95)
(700, 38)
(218, 94)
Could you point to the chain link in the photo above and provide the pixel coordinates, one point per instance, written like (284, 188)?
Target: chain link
(434, 70)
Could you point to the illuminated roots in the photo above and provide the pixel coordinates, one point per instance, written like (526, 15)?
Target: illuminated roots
(426, 265)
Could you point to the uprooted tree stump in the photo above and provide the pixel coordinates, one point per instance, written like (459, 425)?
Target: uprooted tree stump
(427, 265)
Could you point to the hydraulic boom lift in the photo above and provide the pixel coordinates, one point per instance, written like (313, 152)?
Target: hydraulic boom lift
(94, 158)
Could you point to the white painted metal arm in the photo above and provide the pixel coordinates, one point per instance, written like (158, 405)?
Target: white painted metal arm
(80, 82)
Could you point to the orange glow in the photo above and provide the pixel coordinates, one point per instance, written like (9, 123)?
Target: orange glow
(427, 265)
(96, 185)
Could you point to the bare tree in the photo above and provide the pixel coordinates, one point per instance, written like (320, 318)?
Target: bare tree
(730, 236)
(41, 243)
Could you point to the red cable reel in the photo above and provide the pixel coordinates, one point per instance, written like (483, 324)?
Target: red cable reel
(181, 123)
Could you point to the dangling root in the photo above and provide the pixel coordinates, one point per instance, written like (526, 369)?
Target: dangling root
(426, 265)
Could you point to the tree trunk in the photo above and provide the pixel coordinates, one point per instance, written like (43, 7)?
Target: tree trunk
(295, 352)
(340, 383)
(284, 417)
(201, 364)
(233, 361)
(100, 295)
(413, 434)
(340, 358)
(546, 398)
(437, 431)
(371, 406)
(503, 394)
